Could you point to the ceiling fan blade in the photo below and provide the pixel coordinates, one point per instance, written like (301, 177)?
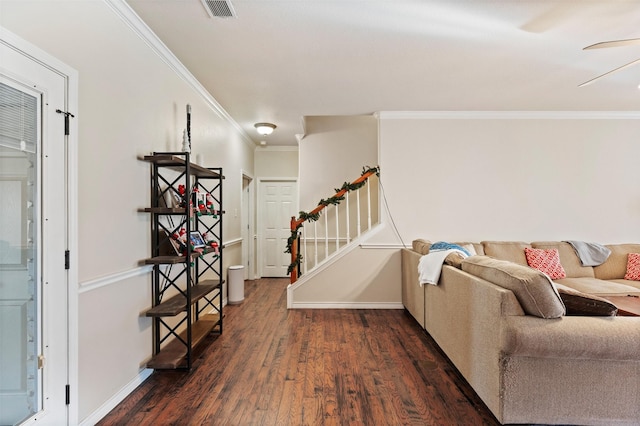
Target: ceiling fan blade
(613, 43)
(608, 73)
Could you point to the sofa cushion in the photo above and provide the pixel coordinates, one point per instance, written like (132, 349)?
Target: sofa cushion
(568, 258)
(476, 247)
(533, 289)
(633, 267)
(616, 265)
(421, 246)
(599, 287)
(628, 283)
(470, 248)
(506, 250)
(579, 303)
(545, 260)
(455, 259)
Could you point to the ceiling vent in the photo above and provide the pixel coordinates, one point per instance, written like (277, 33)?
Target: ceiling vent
(219, 8)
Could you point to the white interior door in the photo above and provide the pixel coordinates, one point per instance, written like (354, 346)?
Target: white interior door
(34, 350)
(277, 204)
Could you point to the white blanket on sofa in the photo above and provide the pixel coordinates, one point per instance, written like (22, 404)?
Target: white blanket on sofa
(430, 265)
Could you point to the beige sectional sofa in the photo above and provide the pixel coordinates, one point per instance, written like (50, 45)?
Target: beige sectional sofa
(573, 369)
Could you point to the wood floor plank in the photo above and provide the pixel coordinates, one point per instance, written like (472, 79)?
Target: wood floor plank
(274, 366)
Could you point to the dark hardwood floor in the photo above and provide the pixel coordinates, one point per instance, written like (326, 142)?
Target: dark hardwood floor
(273, 366)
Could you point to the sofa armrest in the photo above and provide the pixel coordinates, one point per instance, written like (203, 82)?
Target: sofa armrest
(412, 292)
(464, 314)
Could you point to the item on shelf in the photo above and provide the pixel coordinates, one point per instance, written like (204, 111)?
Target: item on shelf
(171, 199)
(182, 191)
(186, 146)
(188, 130)
(198, 200)
(211, 243)
(167, 198)
(210, 207)
(196, 239)
(177, 244)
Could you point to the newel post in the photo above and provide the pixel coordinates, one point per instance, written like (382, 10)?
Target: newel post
(294, 250)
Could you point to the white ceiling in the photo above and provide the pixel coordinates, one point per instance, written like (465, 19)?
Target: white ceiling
(282, 60)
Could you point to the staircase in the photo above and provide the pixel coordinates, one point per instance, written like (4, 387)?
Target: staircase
(335, 226)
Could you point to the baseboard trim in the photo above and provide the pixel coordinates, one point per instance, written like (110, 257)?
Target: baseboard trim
(116, 399)
(347, 305)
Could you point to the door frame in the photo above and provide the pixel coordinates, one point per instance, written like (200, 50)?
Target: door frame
(248, 225)
(260, 219)
(70, 76)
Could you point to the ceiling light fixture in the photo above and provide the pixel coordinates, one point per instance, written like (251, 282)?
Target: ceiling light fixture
(265, 128)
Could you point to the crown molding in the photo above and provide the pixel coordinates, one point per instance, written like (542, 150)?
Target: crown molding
(508, 115)
(277, 148)
(133, 21)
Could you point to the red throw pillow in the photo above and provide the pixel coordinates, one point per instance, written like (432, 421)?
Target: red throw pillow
(545, 260)
(633, 267)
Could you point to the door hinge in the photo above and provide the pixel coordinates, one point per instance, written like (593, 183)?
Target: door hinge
(66, 259)
(67, 394)
(40, 362)
(66, 120)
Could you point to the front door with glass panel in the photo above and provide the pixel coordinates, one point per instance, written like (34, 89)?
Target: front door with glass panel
(20, 269)
(33, 233)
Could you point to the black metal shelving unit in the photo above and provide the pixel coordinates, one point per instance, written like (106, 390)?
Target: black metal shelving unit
(187, 284)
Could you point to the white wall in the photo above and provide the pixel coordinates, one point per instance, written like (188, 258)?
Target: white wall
(276, 162)
(130, 103)
(512, 178)
(333, 151)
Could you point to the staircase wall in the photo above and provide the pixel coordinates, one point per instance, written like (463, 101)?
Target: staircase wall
(333, 151)
(364, 277)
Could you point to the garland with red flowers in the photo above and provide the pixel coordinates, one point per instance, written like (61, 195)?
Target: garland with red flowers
(312, 217)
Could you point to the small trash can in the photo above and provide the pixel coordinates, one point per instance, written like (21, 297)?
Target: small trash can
(235, 278)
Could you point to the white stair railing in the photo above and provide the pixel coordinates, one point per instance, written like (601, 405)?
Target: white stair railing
(311, 247)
